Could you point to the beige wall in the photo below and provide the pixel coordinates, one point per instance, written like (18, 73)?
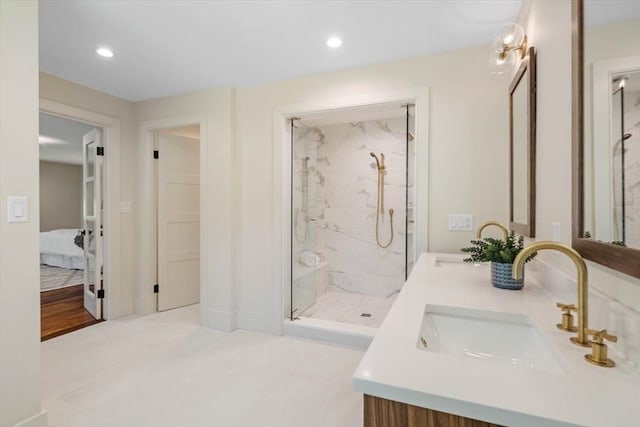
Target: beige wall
(19, 277)
(73, 95)
(548, 28)
(60, 196)
(547, 25)
(214, 110)
(467, 155)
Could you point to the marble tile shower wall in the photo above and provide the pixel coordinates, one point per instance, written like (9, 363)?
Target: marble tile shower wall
(343, 195)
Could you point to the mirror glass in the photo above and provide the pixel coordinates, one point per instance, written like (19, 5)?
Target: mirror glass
(522, 146)
(611, 97)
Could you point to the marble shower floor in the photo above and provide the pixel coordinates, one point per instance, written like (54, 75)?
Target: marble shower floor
(166, 370)
(347, 307)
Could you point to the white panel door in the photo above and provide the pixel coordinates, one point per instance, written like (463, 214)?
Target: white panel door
(92, 222)
(178, 221)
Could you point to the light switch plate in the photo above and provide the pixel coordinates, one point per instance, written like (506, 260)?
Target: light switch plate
(17, 209)
(461, 222)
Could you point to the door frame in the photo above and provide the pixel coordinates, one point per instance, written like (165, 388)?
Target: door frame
(282, 179)
(110, 126)
(147, 219)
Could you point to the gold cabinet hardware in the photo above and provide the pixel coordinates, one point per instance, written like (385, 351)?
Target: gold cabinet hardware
(598, 354)
(567, 317)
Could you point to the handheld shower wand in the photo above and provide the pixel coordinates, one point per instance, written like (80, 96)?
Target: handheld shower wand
(380, 202)
(376, 157)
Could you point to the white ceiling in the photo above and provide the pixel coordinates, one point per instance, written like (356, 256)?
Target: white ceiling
(168, 47)
(68, 148)
(600, 12)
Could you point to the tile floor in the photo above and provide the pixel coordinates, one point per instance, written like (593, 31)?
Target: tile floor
(347, 307)
(166, 370)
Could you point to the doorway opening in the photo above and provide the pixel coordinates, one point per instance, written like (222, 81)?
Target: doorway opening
(177, 206)
(72, 251)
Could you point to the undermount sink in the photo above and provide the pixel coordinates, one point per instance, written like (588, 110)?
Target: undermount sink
(504, 338)
(454, 260)
(440, 260)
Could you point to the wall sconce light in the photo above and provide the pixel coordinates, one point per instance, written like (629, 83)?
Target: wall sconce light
(509, 43)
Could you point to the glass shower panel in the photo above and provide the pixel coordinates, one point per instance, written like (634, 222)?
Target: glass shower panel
(304, 258)
(410, 249)
(618, 172)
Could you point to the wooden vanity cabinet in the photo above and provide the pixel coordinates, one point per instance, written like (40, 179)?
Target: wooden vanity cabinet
(379, 412)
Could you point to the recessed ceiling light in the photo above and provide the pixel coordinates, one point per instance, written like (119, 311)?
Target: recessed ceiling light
(103, 51)
(334, 42)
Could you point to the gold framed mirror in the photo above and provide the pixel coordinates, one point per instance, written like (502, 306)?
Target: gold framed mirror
(605, 205)
(522, 148)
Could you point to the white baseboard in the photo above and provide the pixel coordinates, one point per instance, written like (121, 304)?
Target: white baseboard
(38, 420)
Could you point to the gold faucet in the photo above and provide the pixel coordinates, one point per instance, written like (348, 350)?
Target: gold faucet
(583, 308)
(497, 224)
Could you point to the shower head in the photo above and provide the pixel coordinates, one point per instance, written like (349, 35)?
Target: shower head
(375, 157)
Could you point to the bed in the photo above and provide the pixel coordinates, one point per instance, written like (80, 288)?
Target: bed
(57, 249)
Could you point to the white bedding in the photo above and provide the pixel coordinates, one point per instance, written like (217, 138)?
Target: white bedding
(57, 249)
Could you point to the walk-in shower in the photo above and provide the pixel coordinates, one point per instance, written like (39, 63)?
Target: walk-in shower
(625, 159)
(352, 202)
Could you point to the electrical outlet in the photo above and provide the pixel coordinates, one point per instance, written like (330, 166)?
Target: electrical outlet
(555, 231)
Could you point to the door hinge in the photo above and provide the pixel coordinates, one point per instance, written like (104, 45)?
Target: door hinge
(100, 293)
(156, 288)
(156, 154)
(99, 151)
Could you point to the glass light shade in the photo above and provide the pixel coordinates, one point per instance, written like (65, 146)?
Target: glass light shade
(500, 62)
(497, 45)
(509, 35)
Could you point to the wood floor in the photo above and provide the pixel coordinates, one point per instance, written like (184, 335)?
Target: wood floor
(62, 311)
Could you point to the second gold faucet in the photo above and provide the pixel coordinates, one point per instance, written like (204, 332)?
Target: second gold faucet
(494, 223)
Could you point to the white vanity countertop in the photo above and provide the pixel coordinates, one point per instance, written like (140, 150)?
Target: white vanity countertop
(395, 368)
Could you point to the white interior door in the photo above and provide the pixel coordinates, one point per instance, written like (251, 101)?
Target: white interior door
(178, 221)
(92, 222)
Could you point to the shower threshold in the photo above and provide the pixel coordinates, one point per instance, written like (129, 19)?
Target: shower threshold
(345, 334)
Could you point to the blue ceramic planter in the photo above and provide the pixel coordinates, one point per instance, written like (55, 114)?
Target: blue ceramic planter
(501, 276)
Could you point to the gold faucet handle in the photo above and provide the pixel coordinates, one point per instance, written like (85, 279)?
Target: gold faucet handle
(598, 354)
(567, 317)
(600, 336)
(566, 308)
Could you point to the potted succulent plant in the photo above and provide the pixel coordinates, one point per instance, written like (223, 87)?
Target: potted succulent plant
(501, 254)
